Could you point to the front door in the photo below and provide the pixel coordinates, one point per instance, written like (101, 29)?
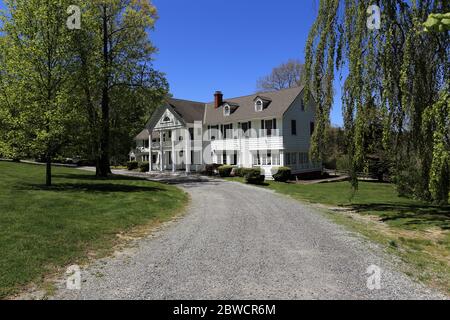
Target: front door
(168, 160)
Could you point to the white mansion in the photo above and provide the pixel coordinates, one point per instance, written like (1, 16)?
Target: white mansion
(264, 130)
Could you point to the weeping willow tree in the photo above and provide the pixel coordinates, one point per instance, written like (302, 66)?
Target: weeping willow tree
(395, 79)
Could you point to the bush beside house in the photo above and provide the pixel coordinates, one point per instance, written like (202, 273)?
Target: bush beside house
(211, 169)
(281, 174)
(144, 166)
(239, 172)
(132, 165)
(254, 176)
(225, 171)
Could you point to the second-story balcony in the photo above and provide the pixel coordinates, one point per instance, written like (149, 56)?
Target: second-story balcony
(166, 144)
(250, 140)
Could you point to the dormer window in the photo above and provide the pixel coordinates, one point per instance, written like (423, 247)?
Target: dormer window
(226, 110)
(259, 105)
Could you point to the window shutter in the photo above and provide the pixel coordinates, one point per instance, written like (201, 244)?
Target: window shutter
(262, 124)
(249, 124)
(275, 124)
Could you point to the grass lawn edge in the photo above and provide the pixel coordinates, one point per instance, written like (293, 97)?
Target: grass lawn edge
(420, 266)
(44, 283)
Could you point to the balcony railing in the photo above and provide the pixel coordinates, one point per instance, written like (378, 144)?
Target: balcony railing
(239, 134)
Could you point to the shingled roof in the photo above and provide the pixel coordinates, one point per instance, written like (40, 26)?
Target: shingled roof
(243, 108)
(190, 111)
(280, 103)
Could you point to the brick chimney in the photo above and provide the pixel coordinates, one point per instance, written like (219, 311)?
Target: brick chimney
(218, 99)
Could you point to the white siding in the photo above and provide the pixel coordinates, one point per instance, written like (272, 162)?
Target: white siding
(301, 141)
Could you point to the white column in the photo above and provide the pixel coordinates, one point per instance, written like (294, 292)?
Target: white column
(188, 150)
(282, 159)
(150, 152)
(161, 150)
(174, 163)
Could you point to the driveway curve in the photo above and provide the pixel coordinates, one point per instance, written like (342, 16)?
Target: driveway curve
(242, 242)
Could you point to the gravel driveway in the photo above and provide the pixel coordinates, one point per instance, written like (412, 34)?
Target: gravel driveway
(242, 242)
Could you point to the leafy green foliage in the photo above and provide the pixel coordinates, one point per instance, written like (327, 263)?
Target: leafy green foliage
(35, 78)
(282, 174)
(439, 22)
(254, 176)
(395, 75)
(144, 166)
(81, 93)
(225, 171)
(132, 165)
(239, 172)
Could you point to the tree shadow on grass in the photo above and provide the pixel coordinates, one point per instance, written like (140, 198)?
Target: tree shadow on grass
(409, 215)
(90, 187)
(93, 177)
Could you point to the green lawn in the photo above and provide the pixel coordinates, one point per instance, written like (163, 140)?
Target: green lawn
(43, 229)
(419, 233)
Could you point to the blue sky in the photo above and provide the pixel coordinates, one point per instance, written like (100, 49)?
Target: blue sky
(227, 45)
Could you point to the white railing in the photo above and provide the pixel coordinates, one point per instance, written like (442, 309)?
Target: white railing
(227, 144)
(140, 150)
(166, 144)
(265, 143)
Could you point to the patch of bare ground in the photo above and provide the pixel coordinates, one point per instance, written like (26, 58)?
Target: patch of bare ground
(433, 236)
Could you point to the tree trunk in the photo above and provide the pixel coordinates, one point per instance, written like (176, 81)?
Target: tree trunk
(48, 173)
(103, 168)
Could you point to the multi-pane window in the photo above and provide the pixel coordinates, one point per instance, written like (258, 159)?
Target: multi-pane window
(259, 105)
(294, 158)
(267, 127)
(226, 110)
(303, 158)
(213, 132)
(276, 159)
(256, 159)
(227, 131)
(266, 158)
(288, 158)
(246, 126)
(294, 127)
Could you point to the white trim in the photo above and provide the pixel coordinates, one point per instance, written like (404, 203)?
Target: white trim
(257, 102)
(226, 110)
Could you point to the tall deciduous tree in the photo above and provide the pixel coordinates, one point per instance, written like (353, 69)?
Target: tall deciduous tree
(400, 72)
(115, 62)
(35, 74)
(287, 75)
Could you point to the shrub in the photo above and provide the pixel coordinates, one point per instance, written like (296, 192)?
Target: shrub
(343, 163)
(225, 171)
(282, 174)
(144, 166)
(254, 176)
(239, 172)
(211, 169)
(132, 165)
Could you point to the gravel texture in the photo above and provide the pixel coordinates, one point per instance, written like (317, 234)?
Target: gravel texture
(243, 242)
